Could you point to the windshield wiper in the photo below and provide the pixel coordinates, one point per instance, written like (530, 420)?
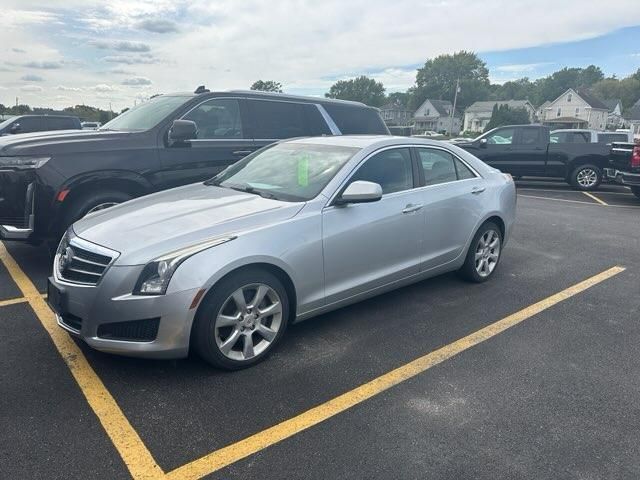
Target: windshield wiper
(249, 189)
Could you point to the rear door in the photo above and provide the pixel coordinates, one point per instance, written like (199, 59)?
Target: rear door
(529, 151)
(222, 139)
(452, 195)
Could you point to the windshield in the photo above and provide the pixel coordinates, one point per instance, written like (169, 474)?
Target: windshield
(146, 115)
(286, 171)
(6, 122)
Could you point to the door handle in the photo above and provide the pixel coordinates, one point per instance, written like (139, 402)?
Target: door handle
(242, 152)
(412, 208)
(477, 190)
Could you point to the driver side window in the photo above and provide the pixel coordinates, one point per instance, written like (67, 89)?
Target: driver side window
(390, 169)
(503, 136)
(217, 118)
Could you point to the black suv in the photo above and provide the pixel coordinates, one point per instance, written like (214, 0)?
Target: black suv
(49, 180)
(38, 123)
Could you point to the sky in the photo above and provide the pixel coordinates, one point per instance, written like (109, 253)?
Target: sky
(117, 52)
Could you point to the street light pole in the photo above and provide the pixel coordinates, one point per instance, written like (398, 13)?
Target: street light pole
(455, 100)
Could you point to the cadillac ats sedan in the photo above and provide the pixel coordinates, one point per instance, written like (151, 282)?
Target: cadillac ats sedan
(293, 230)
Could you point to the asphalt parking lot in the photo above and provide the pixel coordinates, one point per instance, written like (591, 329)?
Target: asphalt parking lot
(531, 375)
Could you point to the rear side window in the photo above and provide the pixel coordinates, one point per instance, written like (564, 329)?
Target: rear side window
(503, 136)
(60, 123)
(315, 121)
(612, 137)
(464, 172)
(529, 136)
(217, 118)
(390, 169)
(273, 119)
(354, 119)
(579, 137)
(439, 167)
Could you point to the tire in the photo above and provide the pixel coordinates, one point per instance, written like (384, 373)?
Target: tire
(482, 269)
(586, 177)
(635, 191)
(87, 203)
(223, 328)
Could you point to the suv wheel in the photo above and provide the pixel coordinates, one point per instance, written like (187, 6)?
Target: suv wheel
(586, 177)
(241, 320)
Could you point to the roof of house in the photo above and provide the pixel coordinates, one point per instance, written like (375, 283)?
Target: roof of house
(591, 100)
(443, 107)
(393, 106)
(544, 105)
(611, 103)
(488, 105)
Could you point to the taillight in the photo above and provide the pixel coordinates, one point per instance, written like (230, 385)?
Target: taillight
(635, 157)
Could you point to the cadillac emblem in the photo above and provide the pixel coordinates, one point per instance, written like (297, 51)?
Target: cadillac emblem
(65, 259)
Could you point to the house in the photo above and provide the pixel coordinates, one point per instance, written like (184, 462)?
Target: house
(394, 113)
(478, 114)
(435, 115)
(576, 109)
(634, 120)
(614, 118)
(540, 110)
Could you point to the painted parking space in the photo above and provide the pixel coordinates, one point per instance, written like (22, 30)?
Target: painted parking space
(554, 190)
(183, 410)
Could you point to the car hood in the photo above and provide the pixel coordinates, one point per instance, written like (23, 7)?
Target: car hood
(62, 141)
(155, 225)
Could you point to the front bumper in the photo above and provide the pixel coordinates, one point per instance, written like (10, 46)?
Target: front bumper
(17, 218)
(91, 310)
(623, 178)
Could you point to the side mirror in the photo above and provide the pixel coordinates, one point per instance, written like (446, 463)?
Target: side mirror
(182, 131)
(483, 143)
(15, 128)
(361, 191)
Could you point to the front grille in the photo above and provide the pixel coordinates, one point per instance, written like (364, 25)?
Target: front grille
(72, 321)
(133, 330)
(78, 264)
(18, 222)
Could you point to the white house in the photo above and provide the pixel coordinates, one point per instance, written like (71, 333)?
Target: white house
(614, 118)
(436, 115)
(634, 120)
(540, 110)
(576, 109)
(394, 113)
(478, 114)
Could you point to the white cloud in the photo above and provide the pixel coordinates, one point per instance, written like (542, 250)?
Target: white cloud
(158, 26)
(121, 46)
(522, 68)
(62, 88)
(102, 88)
(31, 78)
(31, 88)
(130, 60)
(136, 81)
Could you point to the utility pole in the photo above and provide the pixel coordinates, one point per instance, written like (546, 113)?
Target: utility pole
(455, 100)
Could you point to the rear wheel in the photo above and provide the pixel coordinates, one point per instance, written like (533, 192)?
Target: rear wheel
(636, 191)
(483, 255)
(241, 320)
(586, 177)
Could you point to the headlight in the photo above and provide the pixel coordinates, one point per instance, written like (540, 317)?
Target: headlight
(23, 163)
(156, 275)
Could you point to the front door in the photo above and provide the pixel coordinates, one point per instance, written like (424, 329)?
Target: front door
(368, 245)
(498, 151)
(221, 141)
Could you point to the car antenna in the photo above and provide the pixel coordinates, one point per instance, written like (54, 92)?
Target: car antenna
(202, 89)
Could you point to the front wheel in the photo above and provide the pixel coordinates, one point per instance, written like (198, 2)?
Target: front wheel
(483, 255)
(635, 191)
(241, 320)
(586, 177)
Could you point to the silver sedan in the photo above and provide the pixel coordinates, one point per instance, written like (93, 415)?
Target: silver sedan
(292, 231)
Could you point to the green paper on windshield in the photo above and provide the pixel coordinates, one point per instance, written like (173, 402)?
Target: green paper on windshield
(303, 172)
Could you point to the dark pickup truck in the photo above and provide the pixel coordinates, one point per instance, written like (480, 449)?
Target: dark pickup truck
(525, 150)
(624, 166)
(49, 180)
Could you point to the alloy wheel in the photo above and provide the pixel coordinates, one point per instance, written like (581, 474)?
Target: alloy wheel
(487, 253)
(587, 178)
(248, 322)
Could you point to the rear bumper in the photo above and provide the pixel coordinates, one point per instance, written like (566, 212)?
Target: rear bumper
(623, 178)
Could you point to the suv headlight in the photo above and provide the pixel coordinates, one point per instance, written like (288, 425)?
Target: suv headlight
(23, 163)
(156, 275)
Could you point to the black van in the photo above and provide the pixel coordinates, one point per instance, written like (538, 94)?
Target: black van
(49, 180)
(38, 123)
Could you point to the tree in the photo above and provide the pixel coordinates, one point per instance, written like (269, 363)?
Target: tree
(267, 86)
(521, 89)
(361, 89)
(437, 79)
(503, 115)
(399, 98)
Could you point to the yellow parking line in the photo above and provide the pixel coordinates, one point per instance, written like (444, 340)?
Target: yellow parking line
(135, 455)
(12, 301)
(601, 202)
(232, 453)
